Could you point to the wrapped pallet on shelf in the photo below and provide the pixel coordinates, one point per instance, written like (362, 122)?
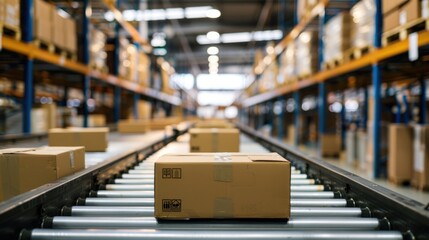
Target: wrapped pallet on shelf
(42, 25)
(58, 30)
(97, 51)
(362, 28)
(269, 78)
(306, 56)
(305, 7)
(10, 20)
(336, 40)
(70, 39)
(287, 72)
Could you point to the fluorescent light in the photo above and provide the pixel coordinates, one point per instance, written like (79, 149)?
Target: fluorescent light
(212, 50)
(242, 37)
(109, 16)
(213, 58)
(221, 81)
(197, 12)
(175, 13)
(213, 13)
(185, 81)
(215, 98)
(213, 65)
(129, 15)
(213, 35)
(158, 42)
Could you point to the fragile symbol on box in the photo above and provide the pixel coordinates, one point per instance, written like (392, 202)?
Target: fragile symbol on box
(175, 173)
(171, 205)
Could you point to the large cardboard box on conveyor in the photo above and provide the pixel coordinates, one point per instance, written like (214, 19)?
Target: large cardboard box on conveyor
(23, 169)
(93, 139)
(420, 178)
(142, 126)
(214, 123)
(400, 158)
(214, 140)
(223, 185)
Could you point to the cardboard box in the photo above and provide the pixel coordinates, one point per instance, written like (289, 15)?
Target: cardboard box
(39, 122)
(400, 157)
(58, 30)
(232, 185)
(391, 5)
(12, 14)
(420, 178)
(23, 169)
(93, 139)
(410, 11)
(42, 21)
(71, 38)
(391, 21)
(214, 124)
(214, 140)
(51, 115)
(330, 144)
(133, 126)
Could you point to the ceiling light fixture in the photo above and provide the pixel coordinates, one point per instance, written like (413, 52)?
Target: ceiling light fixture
(212, 50)
(213, 13)
(213, 35)
(267, 35)
(213, 58)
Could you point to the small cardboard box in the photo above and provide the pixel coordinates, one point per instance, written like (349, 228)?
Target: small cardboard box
(400, 158)
(228, 185)
(391, 5)
(391, 21)
(420, 178)
(133, 126)
(214, 140)
(23, 169)
(330, 144)
(410, 11)
(93, 139)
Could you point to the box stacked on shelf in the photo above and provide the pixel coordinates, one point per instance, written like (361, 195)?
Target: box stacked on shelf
(400, 158)
(10, 16)
(391, 10)
(287, 72)
(97, 51)
(214, 140)
(128, 59)
(42, 24)
(363, 24)
(420, 179)
(143, 69)
(306, 56)
(165, 77)
(336, 37)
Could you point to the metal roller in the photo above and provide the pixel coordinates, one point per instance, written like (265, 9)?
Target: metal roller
(106, 234)
(299, 176)
(302, 181)
(133, 181)
(307, 188)
(100, 211)
(318, 202)
(141, 171)
(324, 194)
(145, 187)
(117, 202)
(138, 176)
(150, 202)
(349, 223)
(122, 194)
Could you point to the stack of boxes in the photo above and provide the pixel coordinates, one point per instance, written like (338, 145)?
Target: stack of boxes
(287, 72)
(10, 16)
(401, 12)
(306, 53)
(363, 24)
(336, 37)
(97, 51)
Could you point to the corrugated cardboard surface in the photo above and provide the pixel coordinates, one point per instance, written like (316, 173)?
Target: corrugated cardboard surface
(213, 124)
(410, 11)
(391, 5)
(58, 30)
(400, 161)
(42, 21)
(12, 14)
(93, 139)
(214, 140)
(330, 144)
(133, 126)
(228, 185)
(391, 20)
(23, 169)
(71, 38)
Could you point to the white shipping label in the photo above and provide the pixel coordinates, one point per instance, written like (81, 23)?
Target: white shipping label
(402, 18)
(425, 9)
(413, 46)
(72, 159)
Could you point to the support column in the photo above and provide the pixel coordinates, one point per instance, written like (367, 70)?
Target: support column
(27, 30)
(423, 97)
(136, 105)
(281, 120)
(117, 90)
(85, 45)
(297, 116)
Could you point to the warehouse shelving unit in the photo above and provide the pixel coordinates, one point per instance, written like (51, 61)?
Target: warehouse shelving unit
(30, 53)
(372, 63)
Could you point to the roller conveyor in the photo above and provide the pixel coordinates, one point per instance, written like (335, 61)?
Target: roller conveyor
(122, 208)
